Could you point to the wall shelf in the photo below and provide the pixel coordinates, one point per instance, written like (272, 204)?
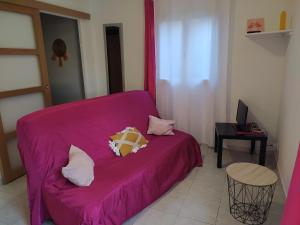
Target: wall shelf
(279, 33)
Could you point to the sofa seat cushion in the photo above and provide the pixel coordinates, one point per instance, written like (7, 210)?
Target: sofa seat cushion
(123, 186)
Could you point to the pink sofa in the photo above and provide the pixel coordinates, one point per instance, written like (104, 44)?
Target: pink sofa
(122, 186)
(291, 215)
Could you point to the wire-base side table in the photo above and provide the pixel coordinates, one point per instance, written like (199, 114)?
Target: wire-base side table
(251, 189)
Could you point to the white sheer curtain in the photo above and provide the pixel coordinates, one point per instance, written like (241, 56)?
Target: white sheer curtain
(192, 48)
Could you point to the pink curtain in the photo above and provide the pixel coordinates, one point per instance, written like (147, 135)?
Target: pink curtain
(291, 215)
(150, 65)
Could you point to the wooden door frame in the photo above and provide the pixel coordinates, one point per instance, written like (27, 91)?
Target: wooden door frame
(50, 8)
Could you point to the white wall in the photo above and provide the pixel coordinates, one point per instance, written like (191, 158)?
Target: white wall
(131, 14)
(289, 125)
(257, 64)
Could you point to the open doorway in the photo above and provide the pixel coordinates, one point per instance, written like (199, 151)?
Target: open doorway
(62, 46)
(113, 42)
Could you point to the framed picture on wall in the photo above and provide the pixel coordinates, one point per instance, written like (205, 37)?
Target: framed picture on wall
(256, 25)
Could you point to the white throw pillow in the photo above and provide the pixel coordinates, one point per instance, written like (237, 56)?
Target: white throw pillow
(80, 169)
(160, 127)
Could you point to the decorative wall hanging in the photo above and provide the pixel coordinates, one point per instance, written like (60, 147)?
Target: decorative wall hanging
(256, 25)
(60, 54)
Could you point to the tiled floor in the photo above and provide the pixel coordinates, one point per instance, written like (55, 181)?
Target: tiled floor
(201, 199)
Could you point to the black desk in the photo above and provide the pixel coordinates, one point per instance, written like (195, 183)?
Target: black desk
(229, 131)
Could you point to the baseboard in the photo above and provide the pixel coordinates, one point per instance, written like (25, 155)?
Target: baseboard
(281, 180)
(282, 183)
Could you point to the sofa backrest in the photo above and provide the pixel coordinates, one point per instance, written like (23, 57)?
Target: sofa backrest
(87, 124)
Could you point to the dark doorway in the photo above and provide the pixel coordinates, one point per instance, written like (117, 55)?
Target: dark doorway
(63, 58)
(114, 58)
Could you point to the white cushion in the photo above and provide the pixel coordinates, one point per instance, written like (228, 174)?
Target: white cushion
(160, 127)
(80, 169)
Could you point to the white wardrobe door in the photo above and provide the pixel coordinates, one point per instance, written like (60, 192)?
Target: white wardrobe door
(13, 108)
(16, 30)
(19, 72)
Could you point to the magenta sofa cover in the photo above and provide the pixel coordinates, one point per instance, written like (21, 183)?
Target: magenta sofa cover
(291, 214)
(122, 186)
